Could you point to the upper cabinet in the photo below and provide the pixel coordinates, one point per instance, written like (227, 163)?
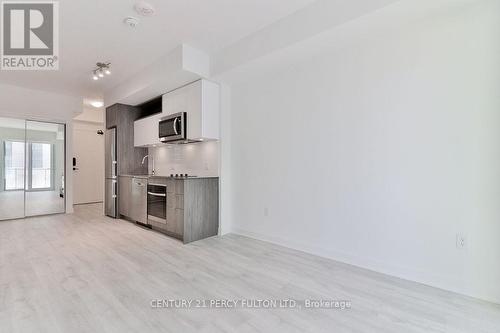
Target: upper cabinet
(200, 100)
(111, 115)
(146, 131)
(129, 157)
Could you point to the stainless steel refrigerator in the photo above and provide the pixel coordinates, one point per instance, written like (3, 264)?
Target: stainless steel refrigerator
(111, 180)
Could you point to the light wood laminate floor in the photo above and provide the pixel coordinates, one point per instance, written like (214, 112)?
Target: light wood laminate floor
(88, 273)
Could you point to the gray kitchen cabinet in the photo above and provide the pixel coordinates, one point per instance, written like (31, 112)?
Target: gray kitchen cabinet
(170, 185)
(171, 205)
(178, 223)
(175, 218)
(192, 208)
(171, 221)
(111, 116)
(128, 157)
(201, 208)
(124, 193)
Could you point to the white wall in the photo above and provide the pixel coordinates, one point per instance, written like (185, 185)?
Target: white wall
(23, 103)
(319, 16)
(200, 159)
(378, 154)
(225, 183)
(91, 115)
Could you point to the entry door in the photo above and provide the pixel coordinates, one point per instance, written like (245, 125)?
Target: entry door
(88, 171)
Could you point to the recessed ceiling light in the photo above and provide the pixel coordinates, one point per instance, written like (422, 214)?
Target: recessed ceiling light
(97, 104)
(143, 8)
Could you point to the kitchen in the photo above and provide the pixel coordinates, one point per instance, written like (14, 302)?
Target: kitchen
(161, 162)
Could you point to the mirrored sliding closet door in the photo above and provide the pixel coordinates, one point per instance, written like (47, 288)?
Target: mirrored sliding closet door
(32, 168)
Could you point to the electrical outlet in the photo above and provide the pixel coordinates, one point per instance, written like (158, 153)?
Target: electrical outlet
(266, 211)
(461, 241)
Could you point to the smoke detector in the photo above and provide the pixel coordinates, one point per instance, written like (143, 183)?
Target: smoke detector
(143, 8)
(131, 21)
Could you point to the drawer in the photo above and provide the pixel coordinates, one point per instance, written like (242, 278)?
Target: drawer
(175, 186)
(179, 222)
(175, 221)
(179, 187)
(170, 215)
(179, 201)
(171, 201)
(170, 186)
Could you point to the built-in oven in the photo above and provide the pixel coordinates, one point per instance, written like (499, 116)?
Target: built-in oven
(173, 128)
(157, 203)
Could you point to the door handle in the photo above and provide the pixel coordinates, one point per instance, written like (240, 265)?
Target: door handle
(175, 126)
(74, 169)
(157, 194)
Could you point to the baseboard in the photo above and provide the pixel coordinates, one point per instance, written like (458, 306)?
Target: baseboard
(406, 273)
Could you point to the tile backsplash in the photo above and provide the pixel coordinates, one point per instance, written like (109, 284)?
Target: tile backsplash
(198, 159)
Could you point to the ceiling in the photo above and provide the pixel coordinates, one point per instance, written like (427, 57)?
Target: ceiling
(93, 30)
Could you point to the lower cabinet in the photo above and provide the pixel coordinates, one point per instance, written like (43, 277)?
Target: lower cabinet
(201, 208)
(175, 221)
(192, 205)
(175, 207)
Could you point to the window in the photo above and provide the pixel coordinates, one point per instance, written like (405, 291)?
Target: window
(41, 165)
(14, 165)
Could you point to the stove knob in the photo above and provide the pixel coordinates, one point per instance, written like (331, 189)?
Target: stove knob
(176, 175)
(172, 175)
(186, 175)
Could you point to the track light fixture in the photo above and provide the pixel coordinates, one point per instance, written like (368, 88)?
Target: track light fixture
(101, 69)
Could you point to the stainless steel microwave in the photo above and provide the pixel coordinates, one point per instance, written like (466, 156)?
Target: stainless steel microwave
(173, 128)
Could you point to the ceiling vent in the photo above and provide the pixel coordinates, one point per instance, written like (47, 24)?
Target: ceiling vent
(143, 8)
